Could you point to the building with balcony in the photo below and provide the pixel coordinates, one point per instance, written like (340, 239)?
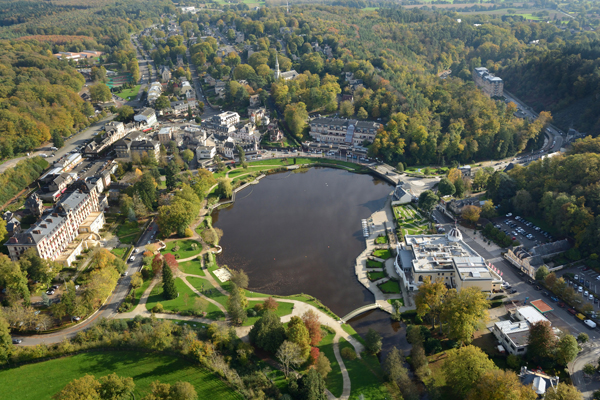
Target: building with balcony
(350, 132)
(490, 84)
(56, 231)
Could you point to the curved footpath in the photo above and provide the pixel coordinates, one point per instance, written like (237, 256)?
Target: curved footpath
(243, 331)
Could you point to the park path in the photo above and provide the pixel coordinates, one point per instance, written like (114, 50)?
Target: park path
(243, 331)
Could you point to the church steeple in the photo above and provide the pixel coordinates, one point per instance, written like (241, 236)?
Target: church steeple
(277, 73)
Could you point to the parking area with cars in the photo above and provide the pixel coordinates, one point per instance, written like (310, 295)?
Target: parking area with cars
(522, 230)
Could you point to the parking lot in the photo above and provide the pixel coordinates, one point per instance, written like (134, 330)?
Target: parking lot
(588, 281)
(525, 232)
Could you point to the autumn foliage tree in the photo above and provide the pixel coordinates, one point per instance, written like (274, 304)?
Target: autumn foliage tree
(171, 262)
(312, 323)
(157, 264)
(270, 304)
(471, 213)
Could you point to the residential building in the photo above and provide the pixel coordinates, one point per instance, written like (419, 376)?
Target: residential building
(187, 91)
(147, 115)
(539, 381)
(257, 114)
(210, 80)
(154, 92)
(205, 152)
(145, 146)
(165, 73)
(443, 257)
(188, 10)
(491, 85)
(35, 205)
(224, 51)
(247, 133)
(513, 334)
(402, 195)
(55, 232)
(343, 131)
(223, 123)
(530, 261)
(239, 37)
(275, 135)
(61, 182)
(181, 107)
(165, 135)
(13, 225)
(123, 146)
(114, 132)
(254, 100)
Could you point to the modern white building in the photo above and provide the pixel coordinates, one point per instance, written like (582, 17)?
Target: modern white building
(351, 132)
(154, 92)
(513, 334)
(443, 257)
(147, 115)
(205, 152)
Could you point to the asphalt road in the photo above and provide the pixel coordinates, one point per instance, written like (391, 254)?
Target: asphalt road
(109, 309)
(70, 145)
(559, 317)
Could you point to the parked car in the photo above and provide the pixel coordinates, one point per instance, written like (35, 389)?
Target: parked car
(17, 341)
(76, 318)
(132, 258)
(572, 311)
(561, 304)
(591, 324)
(591, 298)
(580, 289)
(124, 273)
(554, 299)
(513, 291)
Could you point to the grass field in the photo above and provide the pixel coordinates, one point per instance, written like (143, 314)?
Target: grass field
(192, 267)
(119, 251)
(334, 380)
(209, 290)
(282, 310)
(140, 291)
(390, 287)
(375, 276)
(385, 254)
(43, 380)
(365, 375)
(374, 264)
(128, 232)
(129, 94)
(185, 248)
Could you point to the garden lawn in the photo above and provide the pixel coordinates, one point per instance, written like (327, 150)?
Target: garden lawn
(385, 254)
(185, 248)
(334, 381)
(178, 304)
(129, 94)
(375, 276)
(283, 309)
(192, 267)
(390, 287)
(128, 228)
(374, 264)
(140, 291)
(120, 251)
(366, 376)
(207, 289)
(381, 240)
(391, 301)
(43, 380)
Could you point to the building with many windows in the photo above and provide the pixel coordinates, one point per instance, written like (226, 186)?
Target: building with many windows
(489, 83)
(222, 124)
(56, 231)
(147, 115)
(444, 257)
(350, 132)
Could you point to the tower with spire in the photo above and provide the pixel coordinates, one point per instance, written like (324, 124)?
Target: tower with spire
(277, 73)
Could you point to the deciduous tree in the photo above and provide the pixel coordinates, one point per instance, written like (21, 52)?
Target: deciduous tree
(297, 333)
(289, 355)
(268, 332)
(541, 341)
(312, 323)
(499, 384)
(470, 213)
(464, 369)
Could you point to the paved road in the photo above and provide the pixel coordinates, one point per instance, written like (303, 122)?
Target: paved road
(70, 145)
(589, 355)
(109, 309)
(556, 136)
(559, 317)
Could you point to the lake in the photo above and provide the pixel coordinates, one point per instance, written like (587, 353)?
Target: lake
(300, 232)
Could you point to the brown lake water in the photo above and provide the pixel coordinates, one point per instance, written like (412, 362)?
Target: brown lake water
(300, 232)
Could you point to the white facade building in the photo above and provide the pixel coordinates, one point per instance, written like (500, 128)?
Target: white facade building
(147, 115)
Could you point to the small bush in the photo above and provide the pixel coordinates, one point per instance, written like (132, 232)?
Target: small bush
(189, 232)
(433, 346)
(258, 307)
(348, 354)
(158, 308)
(251, 313)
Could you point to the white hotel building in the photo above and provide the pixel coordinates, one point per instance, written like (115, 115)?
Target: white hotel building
(52, 236)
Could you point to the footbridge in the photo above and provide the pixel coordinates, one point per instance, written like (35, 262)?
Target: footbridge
(360, 310)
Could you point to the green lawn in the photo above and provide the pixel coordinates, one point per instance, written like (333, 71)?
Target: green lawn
(334, 381)
(391, 301)
(375, 276)
(120, 251)
(283, 309)
(381, 240)
(140, 291)
(385, 254)
(43, 380)
(207, 289)
(185, 248)
(128, 228)
(179, 304)
(390, 287)
(365, 375)
(374, 264)
(129, 94)
(192, 267)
